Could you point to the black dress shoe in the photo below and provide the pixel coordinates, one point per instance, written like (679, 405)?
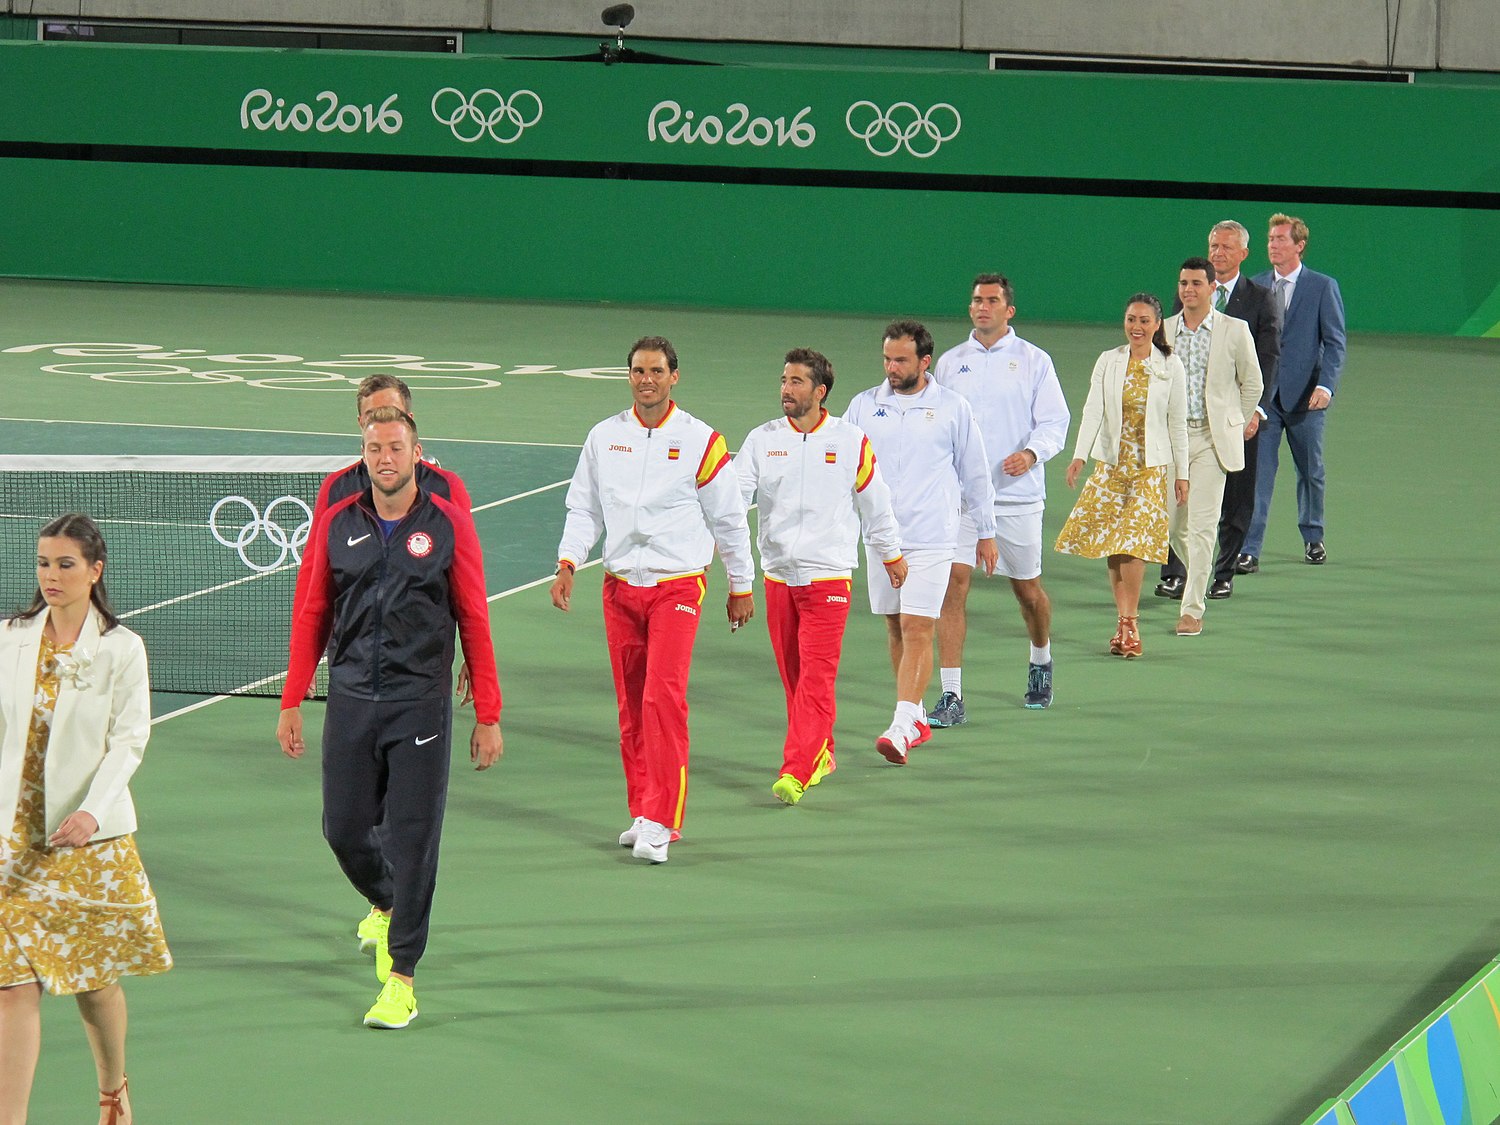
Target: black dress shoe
(1316, 554)
(1247, 564)
(1221, 588)
(1171, 587)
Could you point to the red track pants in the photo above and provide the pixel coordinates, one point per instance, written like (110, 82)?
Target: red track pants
(650, 632)
(807, 634)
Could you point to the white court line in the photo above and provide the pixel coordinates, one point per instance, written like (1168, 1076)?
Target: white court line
(211, 700)
(210, 590)
(521, 495)
(303, 433)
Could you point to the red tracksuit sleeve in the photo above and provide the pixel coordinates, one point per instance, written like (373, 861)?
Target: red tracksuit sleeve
(312, 614)
(458, 492)
(320, 505)
(471, 607)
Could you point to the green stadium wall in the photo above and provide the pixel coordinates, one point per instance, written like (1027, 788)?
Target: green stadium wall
(160, 164)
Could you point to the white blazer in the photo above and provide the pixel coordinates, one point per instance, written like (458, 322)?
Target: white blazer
(99, 728)
(1166, 411)
(1233, 386)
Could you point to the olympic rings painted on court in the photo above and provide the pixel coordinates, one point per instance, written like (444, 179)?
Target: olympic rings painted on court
(148, 365)
(328, 381)
(484, 110)
(287, 542)
(887, 131)
(156, 374)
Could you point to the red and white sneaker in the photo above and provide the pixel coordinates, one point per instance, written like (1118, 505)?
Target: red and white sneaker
(631, 834)
(901, 737)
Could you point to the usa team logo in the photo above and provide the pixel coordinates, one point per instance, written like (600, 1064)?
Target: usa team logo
(419, 545)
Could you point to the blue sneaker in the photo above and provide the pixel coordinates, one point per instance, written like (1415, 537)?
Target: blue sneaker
(949, 712)
(1039, 686)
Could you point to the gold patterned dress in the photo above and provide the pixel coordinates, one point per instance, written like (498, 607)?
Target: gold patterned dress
(71, 919)
(1122, 509)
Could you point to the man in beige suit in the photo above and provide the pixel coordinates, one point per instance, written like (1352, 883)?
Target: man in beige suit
(1224, 385)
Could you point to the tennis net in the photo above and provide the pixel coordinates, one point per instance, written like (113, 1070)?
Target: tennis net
(203, 554)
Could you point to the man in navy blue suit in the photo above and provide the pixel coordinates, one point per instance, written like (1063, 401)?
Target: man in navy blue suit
(1307, 377)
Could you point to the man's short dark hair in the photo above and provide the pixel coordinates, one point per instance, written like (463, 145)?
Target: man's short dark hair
(654, 344)
(815, 362)
(1199, 263)
(911, 330)
(377, 383)
(996, 279)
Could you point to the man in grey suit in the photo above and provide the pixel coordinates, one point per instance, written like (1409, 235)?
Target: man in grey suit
(1238, 296)
(1307, 377)
(1223, 387)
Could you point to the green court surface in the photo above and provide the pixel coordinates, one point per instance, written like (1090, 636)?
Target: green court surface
(1209, 886)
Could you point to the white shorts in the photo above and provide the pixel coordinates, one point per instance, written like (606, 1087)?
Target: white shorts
(1019, 538)
(921, 595)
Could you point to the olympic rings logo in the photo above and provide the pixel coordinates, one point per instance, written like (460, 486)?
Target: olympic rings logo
(887, 131)
(288, 543)
(470, 118)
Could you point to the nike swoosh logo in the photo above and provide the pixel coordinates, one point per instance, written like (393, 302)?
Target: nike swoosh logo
(425, 741)
(353, 542)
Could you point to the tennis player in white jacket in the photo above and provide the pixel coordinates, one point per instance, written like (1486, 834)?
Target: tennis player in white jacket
(934, 460)
(660, 487)
(1019, 404)
(816, 480)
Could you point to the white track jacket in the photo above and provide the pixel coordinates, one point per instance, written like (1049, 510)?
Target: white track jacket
(1018, 404)
(662, 496)
(933, 456)
(814, 490)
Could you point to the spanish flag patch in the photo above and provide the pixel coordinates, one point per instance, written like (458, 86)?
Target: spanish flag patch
(831, 457)
(866, 468)
(715, 457)
(674, 452)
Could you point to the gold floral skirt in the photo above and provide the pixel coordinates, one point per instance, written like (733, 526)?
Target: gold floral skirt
(1121, 511)
(77, 919)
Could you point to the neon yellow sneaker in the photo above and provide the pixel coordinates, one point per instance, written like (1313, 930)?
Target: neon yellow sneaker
(395, 1007)
(383, 958)
(787, 789)
(823, 765)
(372, 927)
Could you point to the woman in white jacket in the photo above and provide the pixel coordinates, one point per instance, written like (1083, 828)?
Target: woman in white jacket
(76, 909)
(1135, 426)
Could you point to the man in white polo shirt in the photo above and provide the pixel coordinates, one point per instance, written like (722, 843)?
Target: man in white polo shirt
(1021, 411)
(933, 457)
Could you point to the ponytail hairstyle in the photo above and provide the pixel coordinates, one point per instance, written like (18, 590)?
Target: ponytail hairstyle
(1159, 339)
(85, 532)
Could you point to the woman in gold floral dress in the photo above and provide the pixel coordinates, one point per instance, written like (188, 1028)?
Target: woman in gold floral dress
(1135, 426)
(76, 909)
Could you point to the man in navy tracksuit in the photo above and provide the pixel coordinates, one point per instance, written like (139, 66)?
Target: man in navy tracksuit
(389, 572)
(373, 393)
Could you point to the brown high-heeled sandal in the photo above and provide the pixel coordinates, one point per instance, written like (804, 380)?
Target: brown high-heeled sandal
(112, 1100)
(1130, 638)
(1117, 642)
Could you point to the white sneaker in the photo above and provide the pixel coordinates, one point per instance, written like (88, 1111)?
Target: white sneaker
(651, 841)
(628, 837)
(894, 742)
